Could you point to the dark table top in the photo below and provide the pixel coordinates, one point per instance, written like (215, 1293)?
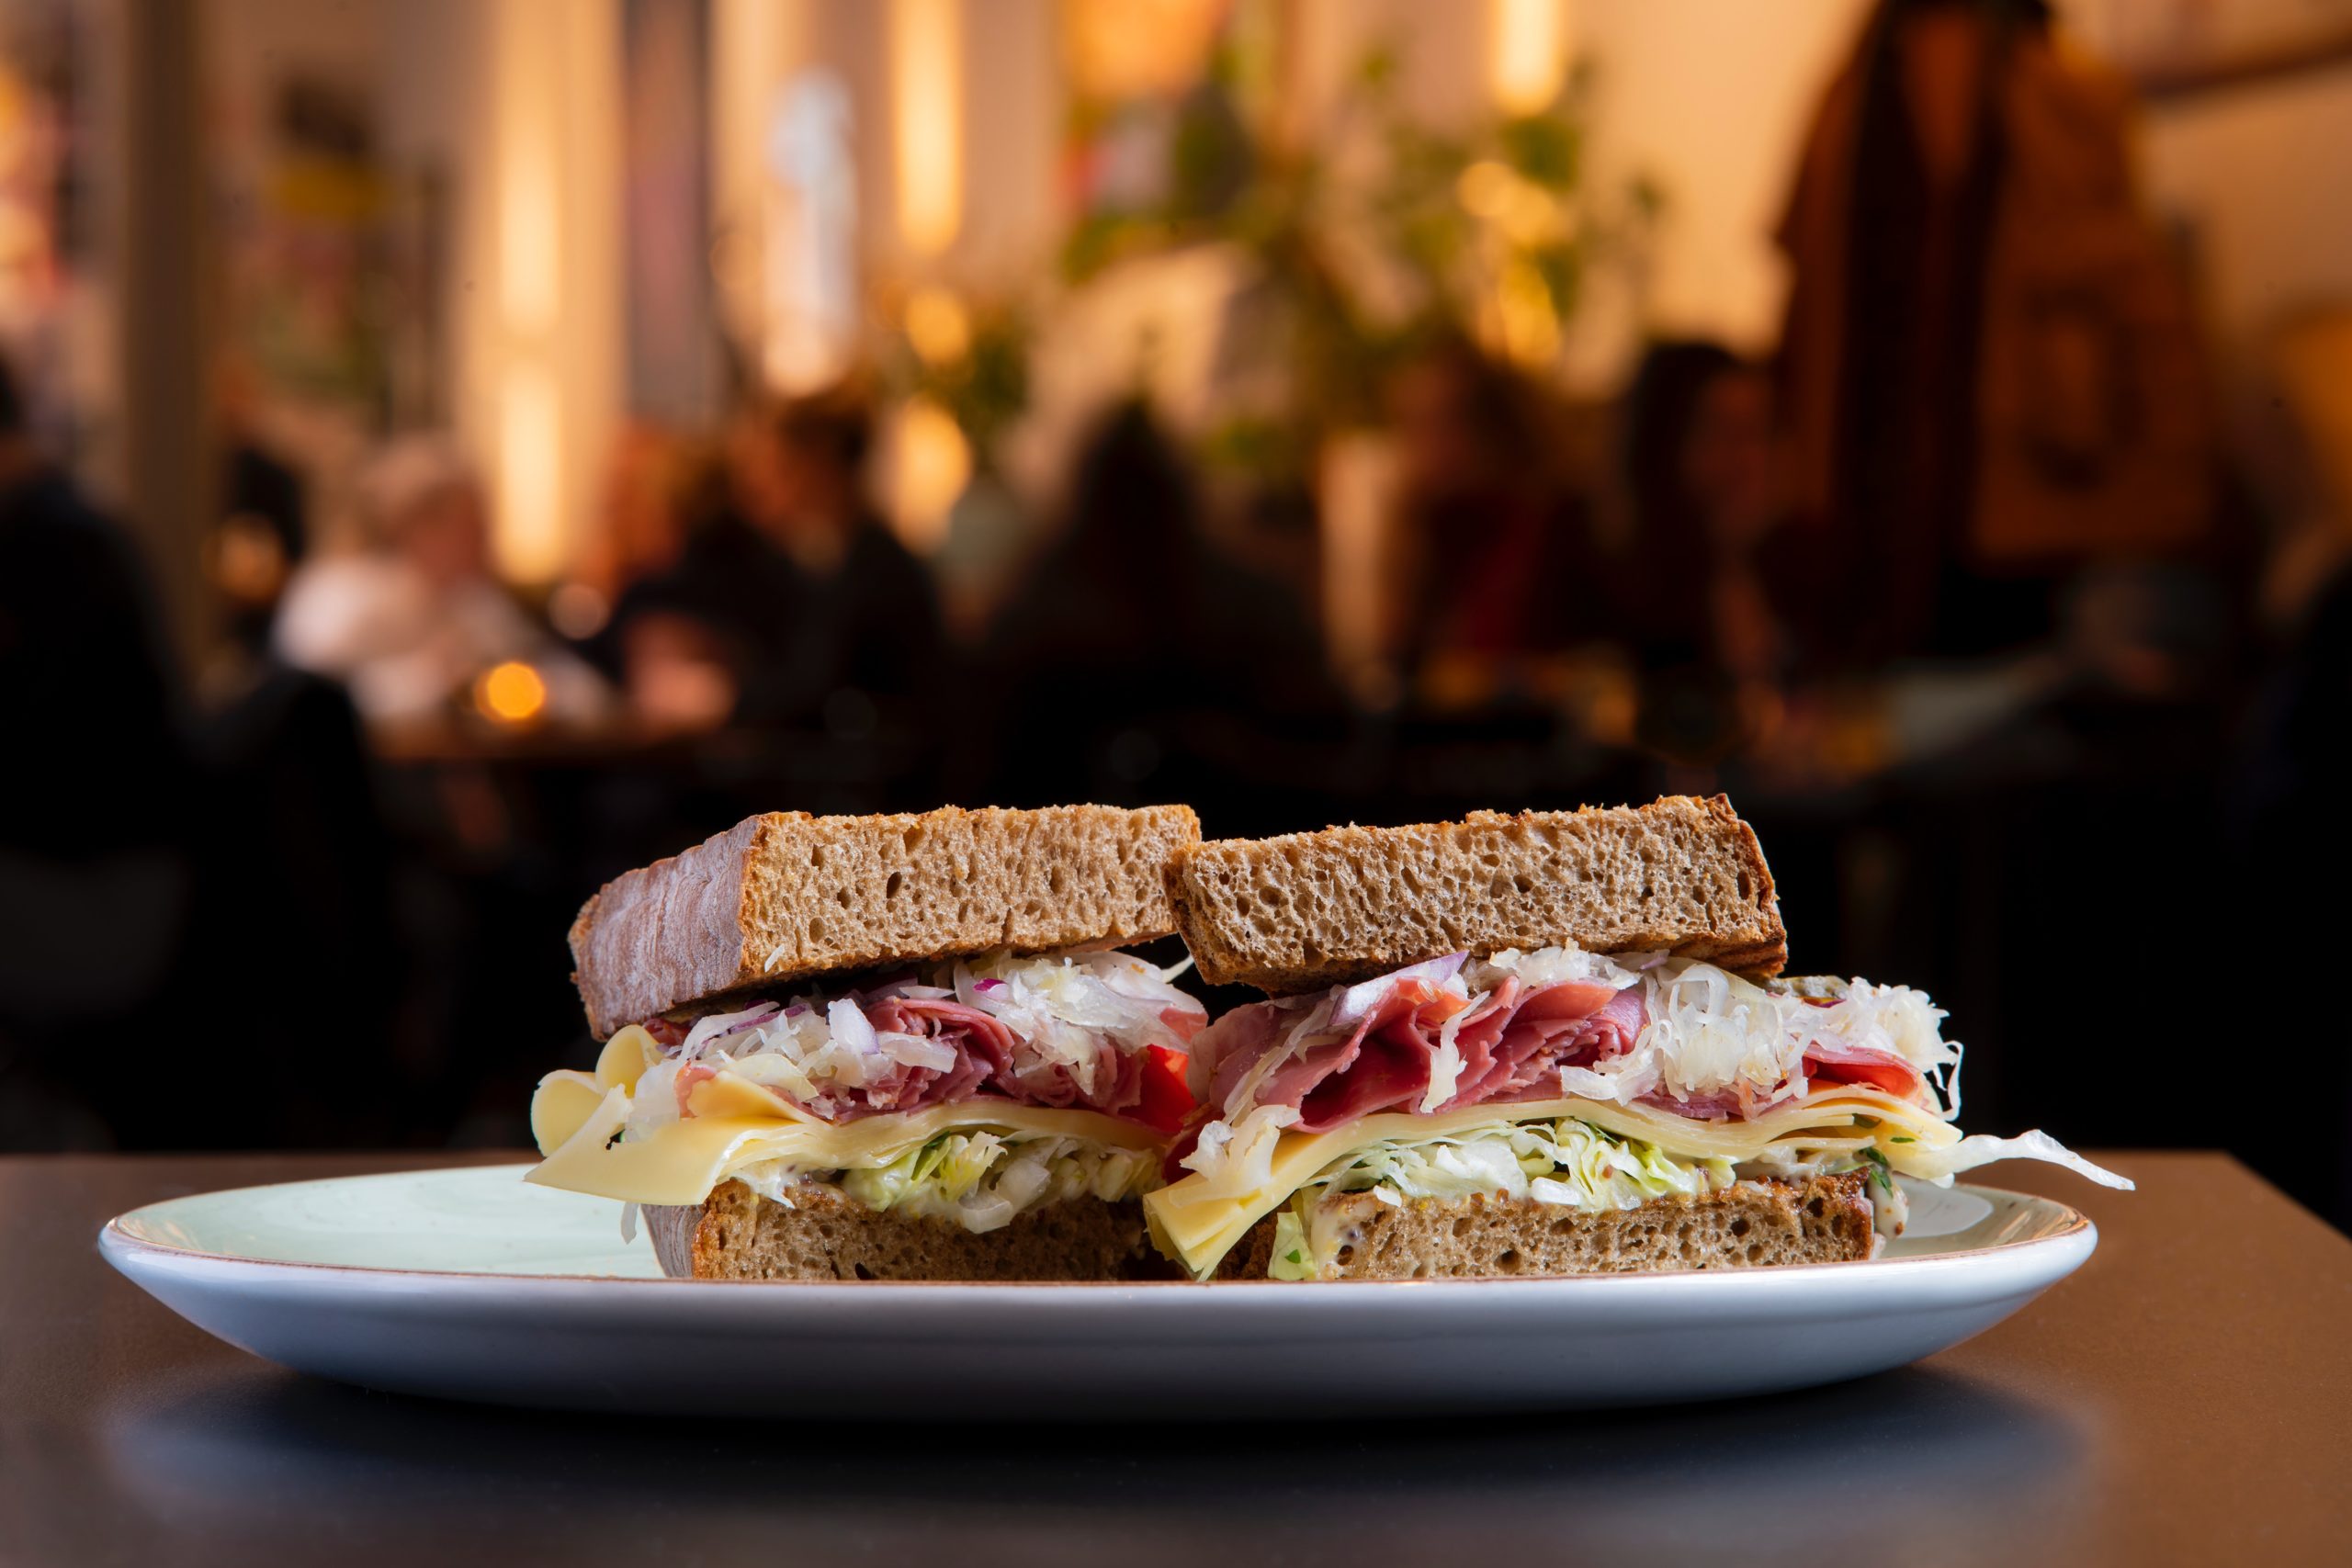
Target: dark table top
(2186, 1398)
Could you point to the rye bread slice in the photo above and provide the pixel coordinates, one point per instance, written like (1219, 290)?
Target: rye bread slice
(786, 897)
(1826, 1219)
(738, 1234)
(1306, 910)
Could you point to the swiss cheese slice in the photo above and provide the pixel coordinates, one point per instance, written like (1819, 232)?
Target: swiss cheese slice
(578, 1118)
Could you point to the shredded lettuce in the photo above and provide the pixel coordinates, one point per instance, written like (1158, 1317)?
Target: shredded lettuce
(1576, 1165)
(1569, 1163)
(983, 1180)
(1292, 1258)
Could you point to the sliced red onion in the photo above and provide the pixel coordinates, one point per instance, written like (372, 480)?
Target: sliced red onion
(1359, 1001)
(988, 984)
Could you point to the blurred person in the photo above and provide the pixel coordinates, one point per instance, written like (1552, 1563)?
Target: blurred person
(262, 531)
(96, 874)
(2284, 799)
(1707, 592)
(412, 622)
(1988, 365)
(1703, 492)
(153, 861)
(791, 604)
(988, 539)
(2286, 837)
(1131, 620)
(640, 529)
(1491, 539)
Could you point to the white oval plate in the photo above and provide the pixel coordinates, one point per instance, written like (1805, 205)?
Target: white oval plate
(470, 1284)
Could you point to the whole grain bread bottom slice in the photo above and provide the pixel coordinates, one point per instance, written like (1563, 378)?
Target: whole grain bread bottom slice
(1306, 910)
(1826, 1219)
(738, 1234)
(786, 896)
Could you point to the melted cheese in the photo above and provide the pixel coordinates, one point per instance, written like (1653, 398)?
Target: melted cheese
(577, 1118)
(1192, 1222)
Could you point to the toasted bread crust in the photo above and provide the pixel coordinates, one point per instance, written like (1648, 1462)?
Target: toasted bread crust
(786, 896)
(1306, 910)
(738, 1234)
(1826, 1219)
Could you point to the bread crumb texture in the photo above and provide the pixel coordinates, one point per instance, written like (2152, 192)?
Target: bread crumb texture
(787, 897)
(738, 1234)
(1748, 1225)
(1306, 910)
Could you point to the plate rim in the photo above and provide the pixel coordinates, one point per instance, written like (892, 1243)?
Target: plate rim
(120, 1244)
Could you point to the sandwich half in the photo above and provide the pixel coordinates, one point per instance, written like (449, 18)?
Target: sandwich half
(883, 1047)
(1540, 1045)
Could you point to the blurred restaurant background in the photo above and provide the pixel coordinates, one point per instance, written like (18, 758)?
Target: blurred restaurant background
(452, 451)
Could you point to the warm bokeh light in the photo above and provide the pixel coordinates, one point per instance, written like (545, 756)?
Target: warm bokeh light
(1528, 321)
(1486, 189)
(2312, 354)
(927, 121)
(1139, 48)
(1529, 56)
(577, 611)
(511, 692)
(938, 326)
(536, 286)
(933, 464)
(529, 531)
(1359, 492)
(528, 264)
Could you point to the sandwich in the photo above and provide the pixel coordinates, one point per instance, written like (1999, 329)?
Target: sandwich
(1542, 1044)
(883, 1047)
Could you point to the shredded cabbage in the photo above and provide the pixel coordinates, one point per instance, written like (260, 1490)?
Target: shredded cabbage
(1238, 1160)
(1066, 1014)
(1710, 1038)
(1712, 1032)
(1983, 1149)
(1557, 966)
(1709, 1033)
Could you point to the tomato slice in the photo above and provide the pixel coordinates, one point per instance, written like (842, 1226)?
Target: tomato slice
(1898, 1078)
(1166, 1100)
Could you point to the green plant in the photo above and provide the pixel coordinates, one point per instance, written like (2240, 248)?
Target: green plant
(1489, 232)
(970, 359)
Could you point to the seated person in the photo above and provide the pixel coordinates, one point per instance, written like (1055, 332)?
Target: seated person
(792, 603)
(410, 623)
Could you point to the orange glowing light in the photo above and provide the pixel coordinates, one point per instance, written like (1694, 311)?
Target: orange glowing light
(926, 41)
(938, 326)
(511, 692)
(934, 464)
(1528, 45)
